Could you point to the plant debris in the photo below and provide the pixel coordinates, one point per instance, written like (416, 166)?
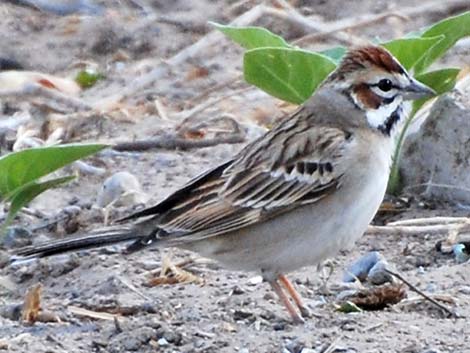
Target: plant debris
(32, 304)
(172, 274)
(378, 298)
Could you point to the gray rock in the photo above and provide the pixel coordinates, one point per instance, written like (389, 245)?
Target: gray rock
(378, 274)
(11, 311)
(361, 267)
(436, 158)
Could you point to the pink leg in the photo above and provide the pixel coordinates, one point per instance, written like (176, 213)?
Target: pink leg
(294, 295)
(285, 300)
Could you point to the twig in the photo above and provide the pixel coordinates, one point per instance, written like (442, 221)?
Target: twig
(436, 185)
(351, 24)
(429, 221)
(416, 230)
(210, 103)
(290, 14)
(332, 347)
(55, 97)
(88, 169)
(161, 111)
(214, 88)
(183, 25)
(134, 289)
(425, 296)
(92, 314)
(174, 142)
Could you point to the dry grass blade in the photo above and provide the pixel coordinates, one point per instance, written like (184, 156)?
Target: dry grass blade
(32, 304)
(172, 274)
(378, 298)
(91, 314)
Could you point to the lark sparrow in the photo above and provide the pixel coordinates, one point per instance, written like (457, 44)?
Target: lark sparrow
(294, 197)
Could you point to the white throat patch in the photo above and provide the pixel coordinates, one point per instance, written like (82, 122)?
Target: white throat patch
(377, 117)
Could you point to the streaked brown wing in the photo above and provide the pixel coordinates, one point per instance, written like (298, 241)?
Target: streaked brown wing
(303, 170)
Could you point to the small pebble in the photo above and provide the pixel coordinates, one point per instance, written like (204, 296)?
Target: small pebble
(162, 342)
(361, 267)
(378, 274)
(465, 290)
(11, 311)
(122, 188)
(460, 253)
(308, 350)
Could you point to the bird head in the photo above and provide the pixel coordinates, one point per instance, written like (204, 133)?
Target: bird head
(377, 84)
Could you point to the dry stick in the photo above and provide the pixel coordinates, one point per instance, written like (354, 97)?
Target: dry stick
(429, 221)
(188, 115)
(290, 14)
(341, 28)
(307, 25)
(425, 296)
(437, 185)
(174, 142)
(214, 88)
(417, 230)
(54, 96)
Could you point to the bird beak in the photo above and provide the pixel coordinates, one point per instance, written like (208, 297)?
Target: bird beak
(417, 90)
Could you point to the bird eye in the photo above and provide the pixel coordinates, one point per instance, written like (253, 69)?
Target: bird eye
(385, 85)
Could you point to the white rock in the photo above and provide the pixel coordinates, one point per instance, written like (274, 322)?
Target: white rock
(121, 188)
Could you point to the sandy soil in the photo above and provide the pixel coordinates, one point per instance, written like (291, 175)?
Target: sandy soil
(230, 312)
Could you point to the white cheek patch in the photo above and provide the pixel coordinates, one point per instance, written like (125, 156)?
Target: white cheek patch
(377, 117)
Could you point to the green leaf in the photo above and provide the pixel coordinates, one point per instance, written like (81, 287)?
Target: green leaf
(23, 195)
(289, 74)
(348, 307)
(335, 54)
(453, 29)
(441, 81)
(252, 37)
(20, 168)
(87, 79)
(409, 51)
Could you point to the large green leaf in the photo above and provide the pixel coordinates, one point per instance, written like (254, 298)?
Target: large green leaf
(20, 168)
(289, 74)
(453, 29)
(259, 37)
(252, 37)
(410, 50)
(441, 81)
(23, 195)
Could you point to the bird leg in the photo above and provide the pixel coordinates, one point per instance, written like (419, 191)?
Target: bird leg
(285, 300)
(294, 295)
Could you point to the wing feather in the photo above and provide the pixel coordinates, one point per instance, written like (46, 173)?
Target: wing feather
(293, 165)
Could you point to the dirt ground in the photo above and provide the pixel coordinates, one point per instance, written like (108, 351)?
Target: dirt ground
(230, 311)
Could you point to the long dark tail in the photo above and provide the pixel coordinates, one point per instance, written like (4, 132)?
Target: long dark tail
(96, 239)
